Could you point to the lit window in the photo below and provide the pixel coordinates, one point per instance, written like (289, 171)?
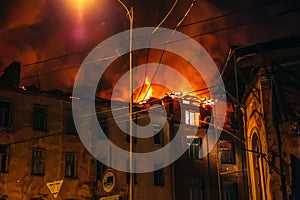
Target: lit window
(192, 118)
(158, 137)
(70, 165)
(5, 113)
(194, 150)
(227, 152)
(39, 118)
(38, 158)
(3, 158)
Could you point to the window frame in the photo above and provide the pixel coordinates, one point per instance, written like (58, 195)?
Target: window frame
(4, 162)
(227, 154)
(196, 186)
(128, 174)
(100, 169)
(192, 117)
(39, 120)
(134, 131)
(158, 176)
(69, 164)
(38, 162)
(230, 188)
(103, 124)
(195, 147)
(69, 125)
(4, 116)
(158, 135)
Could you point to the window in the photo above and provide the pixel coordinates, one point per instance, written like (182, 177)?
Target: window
(5, 113)
(229, 191)
(196, 189)
(128, 178)
(128, 174)
(158, 176)
(69, 123)
(70, 165)
(133, 132)
(3, 158)
(38, 157)
(100, 169)
(158, 134)
(103, 124)
(227, 152)
(195, 144)
(39, 118)
(192, 118)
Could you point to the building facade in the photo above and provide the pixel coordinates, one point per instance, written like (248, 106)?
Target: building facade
(39, 146)
(266, 93)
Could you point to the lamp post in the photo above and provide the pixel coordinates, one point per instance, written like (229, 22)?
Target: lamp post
(130, 16)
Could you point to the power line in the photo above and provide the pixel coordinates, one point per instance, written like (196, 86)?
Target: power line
(50, 72)
(34, 138)
(245, 23)
(194, 36)
(228, 14)
(182, 26)
(178, 24)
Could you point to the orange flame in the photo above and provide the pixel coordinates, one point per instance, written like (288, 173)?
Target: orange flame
(149, 89)
(145, 92)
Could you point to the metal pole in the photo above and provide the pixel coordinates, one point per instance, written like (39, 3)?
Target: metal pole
(130, 16)
(130, 107)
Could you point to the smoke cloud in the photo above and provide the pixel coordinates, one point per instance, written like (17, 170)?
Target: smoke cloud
(32, 31)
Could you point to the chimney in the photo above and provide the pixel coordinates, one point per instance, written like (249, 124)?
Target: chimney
(11, 75)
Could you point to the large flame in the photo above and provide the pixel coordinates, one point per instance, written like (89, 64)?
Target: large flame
(149, 89)
(145, 92)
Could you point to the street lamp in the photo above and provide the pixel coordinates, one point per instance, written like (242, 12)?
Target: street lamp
(130, 16)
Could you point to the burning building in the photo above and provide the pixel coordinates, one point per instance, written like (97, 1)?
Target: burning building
(40, 147)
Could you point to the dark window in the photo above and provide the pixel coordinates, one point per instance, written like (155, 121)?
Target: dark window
(128, 174)
(38, 158)
(3, 158)
(40, 118)
(158, 176)
(103, 124)
(5, 113)
(69, 123)
(194, 151)
(295, 166)
(196, 189)
(38, 198)
(229, 191)
(70, 165)
(128, 178)
(100, 169)
(158, 134)
(133, 132)
(227, 152)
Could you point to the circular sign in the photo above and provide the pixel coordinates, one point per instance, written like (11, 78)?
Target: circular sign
(108, 181)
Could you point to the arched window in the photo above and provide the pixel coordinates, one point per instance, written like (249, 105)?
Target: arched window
(257, 167)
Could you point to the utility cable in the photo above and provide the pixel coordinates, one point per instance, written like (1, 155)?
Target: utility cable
(185, 25)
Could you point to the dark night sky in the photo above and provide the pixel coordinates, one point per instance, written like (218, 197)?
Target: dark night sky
(34, 30)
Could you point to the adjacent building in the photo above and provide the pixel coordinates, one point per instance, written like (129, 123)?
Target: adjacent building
(263, 80)
(39, 146)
